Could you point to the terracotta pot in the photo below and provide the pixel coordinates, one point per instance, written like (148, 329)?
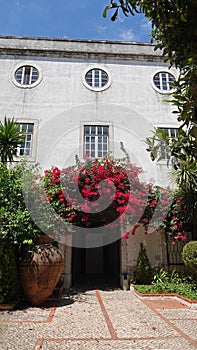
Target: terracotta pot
(44, 239)
(40, 270)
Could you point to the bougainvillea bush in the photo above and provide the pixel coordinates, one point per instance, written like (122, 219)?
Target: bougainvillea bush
(108, 192)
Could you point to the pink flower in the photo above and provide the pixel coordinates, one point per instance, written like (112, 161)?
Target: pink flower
(183, 238)
(43, 198)
(126, 235)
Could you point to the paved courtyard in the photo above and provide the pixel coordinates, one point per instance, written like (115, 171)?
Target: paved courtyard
(101, 320)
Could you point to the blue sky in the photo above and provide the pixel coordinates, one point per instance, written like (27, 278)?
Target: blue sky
(79, 19)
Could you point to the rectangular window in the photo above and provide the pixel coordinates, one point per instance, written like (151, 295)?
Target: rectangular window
(25, 149)
(96, 140)
(170, 134)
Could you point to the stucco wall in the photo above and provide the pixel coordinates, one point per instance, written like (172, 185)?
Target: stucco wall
(155, 247)
(62, 104)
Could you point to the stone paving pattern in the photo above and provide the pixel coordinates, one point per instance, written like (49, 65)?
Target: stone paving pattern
(101, 320)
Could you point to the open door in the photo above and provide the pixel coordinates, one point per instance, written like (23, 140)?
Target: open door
(96, 267)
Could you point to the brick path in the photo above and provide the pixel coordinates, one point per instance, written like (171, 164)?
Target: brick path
(101, 320)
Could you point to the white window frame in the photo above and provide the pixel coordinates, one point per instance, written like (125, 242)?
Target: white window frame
(110, 138)
(32, 156)
(93, 87)
(161, 90)
(167, 128)
(23, 65)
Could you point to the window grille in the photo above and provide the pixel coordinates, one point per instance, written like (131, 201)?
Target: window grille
(170, 134)
(25, 149)
(26, 75)
(96, 78)
(174, 252)
(96, 141)
(163, 81)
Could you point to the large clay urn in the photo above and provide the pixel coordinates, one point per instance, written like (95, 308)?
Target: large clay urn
(40, 269)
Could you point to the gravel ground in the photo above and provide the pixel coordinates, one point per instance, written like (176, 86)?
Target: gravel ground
(99, 320)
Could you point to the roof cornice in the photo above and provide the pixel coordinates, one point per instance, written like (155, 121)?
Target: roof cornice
(77, 48)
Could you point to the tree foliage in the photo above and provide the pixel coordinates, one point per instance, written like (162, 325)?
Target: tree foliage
(174, 31)
(144, 272)
(173, 23)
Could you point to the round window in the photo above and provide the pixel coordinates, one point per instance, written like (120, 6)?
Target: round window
(163, 82)
(26, 75)
(96, 79)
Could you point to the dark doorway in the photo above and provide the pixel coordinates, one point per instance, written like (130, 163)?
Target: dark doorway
(96, 267)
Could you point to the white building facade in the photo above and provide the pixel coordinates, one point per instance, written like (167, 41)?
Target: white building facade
(85, 97)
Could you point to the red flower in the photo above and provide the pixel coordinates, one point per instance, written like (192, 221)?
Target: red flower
(131, 199)
(134, 229)
(153, 202)
(126, 235)
(71, 218)
(56, 181)
(120, 209)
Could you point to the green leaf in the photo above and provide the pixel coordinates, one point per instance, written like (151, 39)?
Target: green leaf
(193, 132)
(105, 10)
(115, 15)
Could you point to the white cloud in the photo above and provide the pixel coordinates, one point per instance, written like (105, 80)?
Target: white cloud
(100, 28)
(127, 35)
(145, 25)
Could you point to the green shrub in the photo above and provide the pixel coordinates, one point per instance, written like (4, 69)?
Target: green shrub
(188, 290)
(162, 276)
(190, 257)
(16, 224)
(170, 282)
(144, 272)
(9, 285)
(159, 276)
(16, 229)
